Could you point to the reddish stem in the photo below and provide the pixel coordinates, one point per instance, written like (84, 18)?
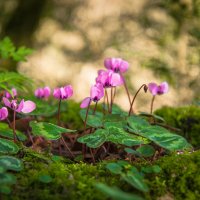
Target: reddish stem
(152, 101)
(111, 99)
(86, 116)
(95, 107)
(131, 107)
(106, 94)
(65, 144)
(14, 132)
(58, 116)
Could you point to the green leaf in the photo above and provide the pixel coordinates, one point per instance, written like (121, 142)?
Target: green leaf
(151, 169)
(146, 150)
(95, 139)
(7, 178)
(94, 120)
(137, 124)
(165, 139)
(13, 79)
(119, 136)
(136, 180)
(48, 130)
(2, 169)
(4, 189)
(131, 151)
(5, 131)
(21, 54)
(115, 168)
(111, 134)
(158, 118)
(7, 146)
(116, 193)
(6, 48)
(11, 163)
(45, 178)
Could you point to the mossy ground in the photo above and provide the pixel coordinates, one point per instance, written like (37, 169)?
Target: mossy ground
(179, 178)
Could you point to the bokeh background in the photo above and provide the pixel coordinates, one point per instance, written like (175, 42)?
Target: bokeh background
(71, 38)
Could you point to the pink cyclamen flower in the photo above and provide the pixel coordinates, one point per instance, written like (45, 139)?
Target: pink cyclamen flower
(3, 113)
(109, 78)
(63, 92)
(43, 92)
(96, 93)
(8, 95)
(158, 89)
(23, 106)
(116, 64)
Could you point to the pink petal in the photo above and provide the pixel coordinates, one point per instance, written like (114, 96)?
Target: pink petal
(107, 63)
(20, 106)
(3, 113)
(29, 106)
(47, 91)
(57, 93)
(124, 66)
(69, 90)
(153, 88)
(86, 102)
(163, 88)
(6, 102)
(116, 80)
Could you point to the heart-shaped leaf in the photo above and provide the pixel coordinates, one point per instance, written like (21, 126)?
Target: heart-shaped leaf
(136, 180)
(137, 124)
(114, 168)
(5, 131)
(94, 120)
(116, 193)
(146, 150)
(11, 163)
(164, 138)
(48, 130)
(7, 146)
(7, 178)
(95, 139)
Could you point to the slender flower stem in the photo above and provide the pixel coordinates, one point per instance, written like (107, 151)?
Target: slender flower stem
(152, 101)
(86, 116)
(106, 94)
(95, 107)
(14, 132)
(131, 107)
(91, 152)
(9, 122)
(58, 116)
(111, 99)
(65, 144)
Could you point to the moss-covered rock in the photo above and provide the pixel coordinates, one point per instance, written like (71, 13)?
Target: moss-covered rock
(179, 178)
(186, 118)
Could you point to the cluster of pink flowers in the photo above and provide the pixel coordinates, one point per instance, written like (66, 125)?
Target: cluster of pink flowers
(22, 106)
(106, 79)
(58, 93)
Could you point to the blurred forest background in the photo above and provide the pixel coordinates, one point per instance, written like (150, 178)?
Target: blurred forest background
(159, 38)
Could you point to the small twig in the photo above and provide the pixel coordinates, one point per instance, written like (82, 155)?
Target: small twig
(65, 144)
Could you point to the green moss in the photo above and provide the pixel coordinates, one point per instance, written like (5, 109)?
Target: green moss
(185, 118)
(180, 177)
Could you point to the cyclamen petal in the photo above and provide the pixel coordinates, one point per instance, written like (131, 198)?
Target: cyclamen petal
(28, 107)
(163, 88)
(86, 102)
(158, 89)
(6, 102)
(14, 93)
(116, 80)
(3, 113)
(47, 91)
(68, 90)
(153, 88)
(20, 106)
(96, 92)
(116, 64)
